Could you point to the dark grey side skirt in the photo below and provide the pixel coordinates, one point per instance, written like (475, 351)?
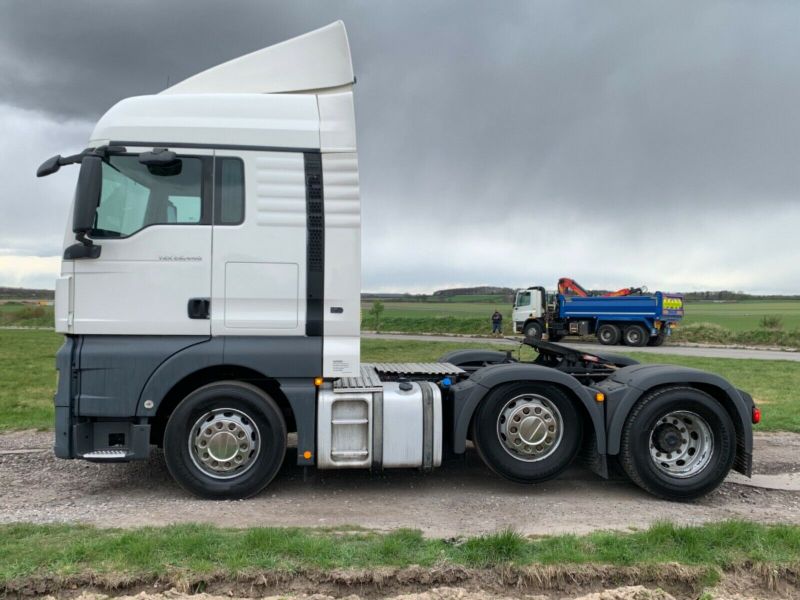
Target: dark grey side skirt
(104, 382)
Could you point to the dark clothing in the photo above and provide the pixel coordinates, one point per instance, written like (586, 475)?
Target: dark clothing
(497, 322)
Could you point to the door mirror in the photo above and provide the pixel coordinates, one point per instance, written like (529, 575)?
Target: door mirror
(50, 166)
(87, 194)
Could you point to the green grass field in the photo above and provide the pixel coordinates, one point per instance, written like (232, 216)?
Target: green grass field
(28, 376)
(745, 315)
(705, 322)
(61, 551)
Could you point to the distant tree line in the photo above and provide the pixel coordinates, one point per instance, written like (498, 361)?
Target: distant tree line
(483, 290)
(12, 293)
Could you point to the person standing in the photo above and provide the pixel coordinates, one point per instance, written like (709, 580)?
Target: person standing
(497, 323)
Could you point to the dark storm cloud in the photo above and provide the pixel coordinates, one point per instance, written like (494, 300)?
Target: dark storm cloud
(620, 120)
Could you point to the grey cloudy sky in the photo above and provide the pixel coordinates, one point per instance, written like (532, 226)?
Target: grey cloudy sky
(620, 143)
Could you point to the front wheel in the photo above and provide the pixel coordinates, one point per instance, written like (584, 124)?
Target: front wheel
(533, 330)
(527, 432)
(225, 440)
(678, 443)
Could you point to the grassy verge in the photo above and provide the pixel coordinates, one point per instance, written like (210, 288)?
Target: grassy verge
(28, 551)
(27, 375)
(27, 378)
(711, 333)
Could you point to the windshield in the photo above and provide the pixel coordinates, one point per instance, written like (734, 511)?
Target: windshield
(523, 299)
(135, 196)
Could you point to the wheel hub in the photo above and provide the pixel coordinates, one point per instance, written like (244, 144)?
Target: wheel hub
(667, 438)
(529, 427)
(224, 443)
(681, 444)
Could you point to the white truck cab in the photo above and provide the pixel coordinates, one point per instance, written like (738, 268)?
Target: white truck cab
(210, 301)
(528, 313)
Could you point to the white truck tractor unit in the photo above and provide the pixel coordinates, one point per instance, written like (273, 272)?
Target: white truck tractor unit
(210, 301)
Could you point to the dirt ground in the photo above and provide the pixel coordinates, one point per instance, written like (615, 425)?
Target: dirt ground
(636, 592)
(461, 498)
(587, 582)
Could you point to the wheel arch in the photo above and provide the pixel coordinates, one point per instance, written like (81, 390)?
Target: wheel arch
(530, 320)
(469, 395)
(217, 373)
(644, 379)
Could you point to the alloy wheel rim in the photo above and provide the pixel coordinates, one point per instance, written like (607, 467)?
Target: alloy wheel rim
(530, 427)
(224, 443)
(681, 444)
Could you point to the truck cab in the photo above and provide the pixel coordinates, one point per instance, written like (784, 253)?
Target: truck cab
(529, 312)
(209, 298)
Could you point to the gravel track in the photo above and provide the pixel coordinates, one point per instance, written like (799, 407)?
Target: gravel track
(461, 498)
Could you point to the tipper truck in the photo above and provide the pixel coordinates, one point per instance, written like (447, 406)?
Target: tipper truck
(637, 319)
(209, 301)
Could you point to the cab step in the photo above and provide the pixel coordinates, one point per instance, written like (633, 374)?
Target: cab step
(116, 455)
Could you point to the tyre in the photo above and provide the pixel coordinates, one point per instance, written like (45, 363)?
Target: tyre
(527, 432)
(678, 443)
(608, 334)
(533, 330)
(225, 440)
(635, 335)
(657, 340)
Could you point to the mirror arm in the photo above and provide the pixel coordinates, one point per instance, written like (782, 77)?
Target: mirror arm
(81, 237)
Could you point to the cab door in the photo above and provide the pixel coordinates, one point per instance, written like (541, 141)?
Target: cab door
(259, 264)
(153, 224)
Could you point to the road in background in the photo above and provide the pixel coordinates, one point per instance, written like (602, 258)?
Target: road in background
(709, 352)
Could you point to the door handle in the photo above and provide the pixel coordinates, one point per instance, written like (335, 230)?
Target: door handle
(199, 308)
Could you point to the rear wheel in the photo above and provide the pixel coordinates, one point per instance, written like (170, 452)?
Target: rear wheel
(657, 340)
(527, 432)
(678, 443)
(225, 440)
(608, 334)
(635, 335)
(533, 330)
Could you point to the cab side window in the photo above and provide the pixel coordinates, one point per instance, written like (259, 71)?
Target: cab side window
(228, 191)
(135, 196)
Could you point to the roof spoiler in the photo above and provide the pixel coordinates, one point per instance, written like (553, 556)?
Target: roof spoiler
(317, 61)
